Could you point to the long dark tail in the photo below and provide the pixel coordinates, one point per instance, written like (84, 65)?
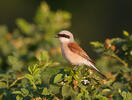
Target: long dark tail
(101, 74)
(93, 67)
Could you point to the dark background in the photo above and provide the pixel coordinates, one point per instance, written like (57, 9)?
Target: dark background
(92, 20)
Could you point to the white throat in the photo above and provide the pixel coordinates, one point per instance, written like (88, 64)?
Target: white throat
(64, 40)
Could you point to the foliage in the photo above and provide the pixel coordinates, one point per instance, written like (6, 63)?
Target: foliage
(32, 38)
(116, 60)
(32, 68)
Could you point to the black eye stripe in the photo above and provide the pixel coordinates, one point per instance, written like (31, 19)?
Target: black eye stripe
(64, 35)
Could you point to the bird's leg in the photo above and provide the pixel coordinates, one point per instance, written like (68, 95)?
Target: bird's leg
(75, 67)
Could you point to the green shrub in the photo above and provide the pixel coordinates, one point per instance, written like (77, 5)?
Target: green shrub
(32, 67)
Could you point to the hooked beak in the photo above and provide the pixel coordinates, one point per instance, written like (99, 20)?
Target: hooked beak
(56, 36)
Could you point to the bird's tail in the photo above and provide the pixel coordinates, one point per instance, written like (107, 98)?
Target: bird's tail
(101, 74)
(93, 67)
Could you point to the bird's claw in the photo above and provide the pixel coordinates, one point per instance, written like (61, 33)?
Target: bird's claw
(75, 67)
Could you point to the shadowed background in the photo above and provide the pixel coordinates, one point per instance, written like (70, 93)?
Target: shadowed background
(91, 20)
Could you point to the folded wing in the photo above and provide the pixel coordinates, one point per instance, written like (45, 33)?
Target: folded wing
(74, 47)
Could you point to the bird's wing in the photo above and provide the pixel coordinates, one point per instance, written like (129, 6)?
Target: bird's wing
(74, 47)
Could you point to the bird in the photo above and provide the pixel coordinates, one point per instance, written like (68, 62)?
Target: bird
(73, 53)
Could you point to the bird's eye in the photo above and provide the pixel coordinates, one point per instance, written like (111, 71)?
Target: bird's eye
(64, 35)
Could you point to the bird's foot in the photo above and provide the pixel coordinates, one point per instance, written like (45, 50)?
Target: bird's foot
(75, 67)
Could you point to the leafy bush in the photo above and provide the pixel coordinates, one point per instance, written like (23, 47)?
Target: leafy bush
(32, 67)
(116, 61)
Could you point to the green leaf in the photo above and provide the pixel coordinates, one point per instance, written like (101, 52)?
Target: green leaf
(28, 76)
(124, 47)
(58, 78)
(78, 97)
(18, 97)
(125, 33)
(31, 79)
(17, 92)
(126, 95)
(68, 78)
(25, 26)
(30, 69)
(3, 85)
(54, 89)
(100, 97)
(45, 92)
(15, 63)
(66, 91)
(106, 90)
(43, 56)
(25, 92)
(97, 44)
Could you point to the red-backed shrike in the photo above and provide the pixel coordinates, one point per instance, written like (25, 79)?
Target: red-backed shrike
(73, 53)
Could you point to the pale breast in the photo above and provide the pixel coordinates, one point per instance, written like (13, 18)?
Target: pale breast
(70, 56)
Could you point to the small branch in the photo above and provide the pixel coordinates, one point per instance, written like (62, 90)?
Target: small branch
(117, 58)
(122, 61)
(14, 83)
(7, 81)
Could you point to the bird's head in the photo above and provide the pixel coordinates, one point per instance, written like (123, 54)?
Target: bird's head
(65, 36)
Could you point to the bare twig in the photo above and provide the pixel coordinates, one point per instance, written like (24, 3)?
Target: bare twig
(14, 83)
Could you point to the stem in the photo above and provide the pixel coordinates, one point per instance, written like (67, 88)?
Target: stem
(7, 81)
(14, 83)
(122, 61)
